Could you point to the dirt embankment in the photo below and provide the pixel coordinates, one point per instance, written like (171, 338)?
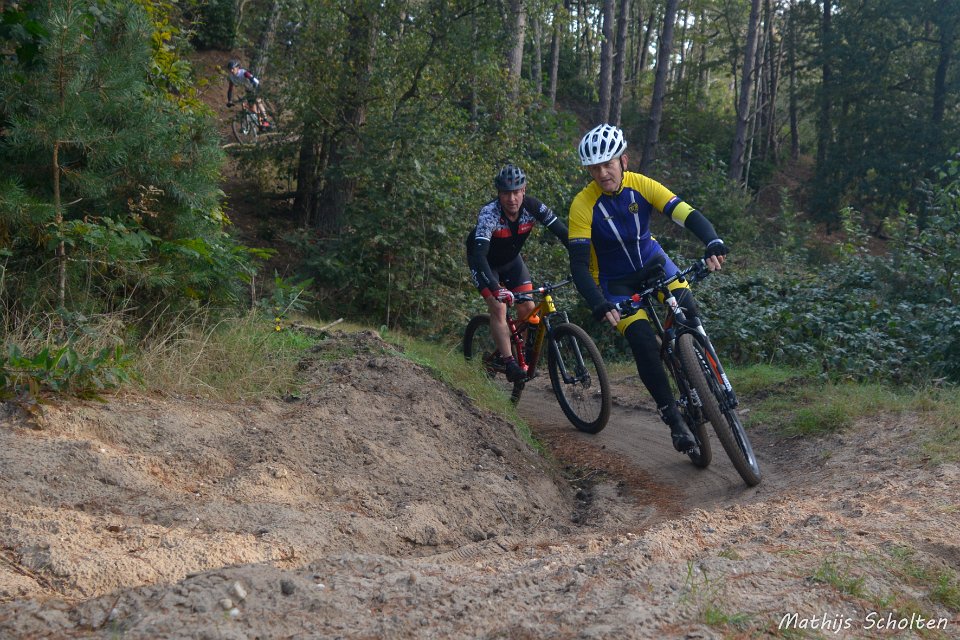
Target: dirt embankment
(381, 504)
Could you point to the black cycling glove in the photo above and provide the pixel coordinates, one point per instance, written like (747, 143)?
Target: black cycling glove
(601, 309)
(716, 248)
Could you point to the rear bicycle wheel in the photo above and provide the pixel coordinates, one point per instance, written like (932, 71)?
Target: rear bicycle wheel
(579, 377)
(245, 127)
(726, 423)
(480, 350)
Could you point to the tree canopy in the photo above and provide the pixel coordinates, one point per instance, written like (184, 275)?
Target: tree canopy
(397, 113)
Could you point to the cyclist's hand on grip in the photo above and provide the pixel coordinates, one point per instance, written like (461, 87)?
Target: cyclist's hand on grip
(504, 295)
(607, 311)
(715, 254)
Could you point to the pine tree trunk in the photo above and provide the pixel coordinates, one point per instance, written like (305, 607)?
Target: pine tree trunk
(518, 28)
(659, 87)
(776, 63)
(746, 86)
(792, 63)
(536, 68)
(755, 121)
(703, 73)
(266, 41)
(338, 188)
(586, 49)
(948, 33)
(554, 60)
(642, 55)
(308, 171)
(606, 61)
(824, 120)
(619, 62)
(682, 49)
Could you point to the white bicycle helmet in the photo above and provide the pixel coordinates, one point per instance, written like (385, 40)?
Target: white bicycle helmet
(602, 143)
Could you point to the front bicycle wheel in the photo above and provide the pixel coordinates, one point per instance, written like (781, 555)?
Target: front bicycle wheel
(480, 349)
(692, 414)
(579, 377)
(246, 128)
(726, 423)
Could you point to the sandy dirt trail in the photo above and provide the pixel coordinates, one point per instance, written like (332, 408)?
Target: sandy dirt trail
(380, 503)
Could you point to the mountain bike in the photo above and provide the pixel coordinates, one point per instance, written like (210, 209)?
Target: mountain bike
(577, 373)
(247, 124)
(704, 388)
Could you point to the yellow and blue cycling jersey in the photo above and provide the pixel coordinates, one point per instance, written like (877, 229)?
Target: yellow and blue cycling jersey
(616, 226)
(610, 241)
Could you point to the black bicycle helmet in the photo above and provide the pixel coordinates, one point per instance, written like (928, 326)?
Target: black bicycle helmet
(510, 178)
(232, 64)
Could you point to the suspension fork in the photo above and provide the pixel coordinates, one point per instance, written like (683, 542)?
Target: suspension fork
(554, 347)
(699, 334)
(542, 311)
(668, 354)
(517, 340)
(713, 362)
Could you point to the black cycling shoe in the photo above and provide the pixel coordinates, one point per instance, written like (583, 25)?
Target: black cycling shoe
(683, 440)
(514, 372)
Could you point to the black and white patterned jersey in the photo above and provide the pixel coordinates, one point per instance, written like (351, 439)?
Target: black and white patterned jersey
(506, 238)
(496, 240)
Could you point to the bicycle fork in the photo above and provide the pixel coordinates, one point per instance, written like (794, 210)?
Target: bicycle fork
(562, 366)
(709, 353)
(527, 353)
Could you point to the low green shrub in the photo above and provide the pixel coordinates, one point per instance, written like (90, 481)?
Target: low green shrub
(62, 371)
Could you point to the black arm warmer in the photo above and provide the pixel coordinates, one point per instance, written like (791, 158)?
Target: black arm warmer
(580, 270)
(477, 261)
(700, 226)
(560, 230)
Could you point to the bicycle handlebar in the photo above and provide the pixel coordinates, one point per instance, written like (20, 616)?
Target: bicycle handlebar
(698, 270)
(527, 296)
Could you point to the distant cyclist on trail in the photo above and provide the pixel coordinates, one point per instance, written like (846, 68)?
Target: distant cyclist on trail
(610, 244)
(493, 254)
(238, 76)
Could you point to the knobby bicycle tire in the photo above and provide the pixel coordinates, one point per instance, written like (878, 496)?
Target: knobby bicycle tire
(245, 128)
(586, 400)
(478, 346)
(702, 456)
(726, 424)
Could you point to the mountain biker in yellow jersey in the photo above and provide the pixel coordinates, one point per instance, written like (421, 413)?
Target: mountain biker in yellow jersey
(610, 244)
(493, 254)
(238, 76)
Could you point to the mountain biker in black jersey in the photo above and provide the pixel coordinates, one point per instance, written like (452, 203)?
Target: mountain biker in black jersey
(493, 254)
(611, 245)
(238, 76)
